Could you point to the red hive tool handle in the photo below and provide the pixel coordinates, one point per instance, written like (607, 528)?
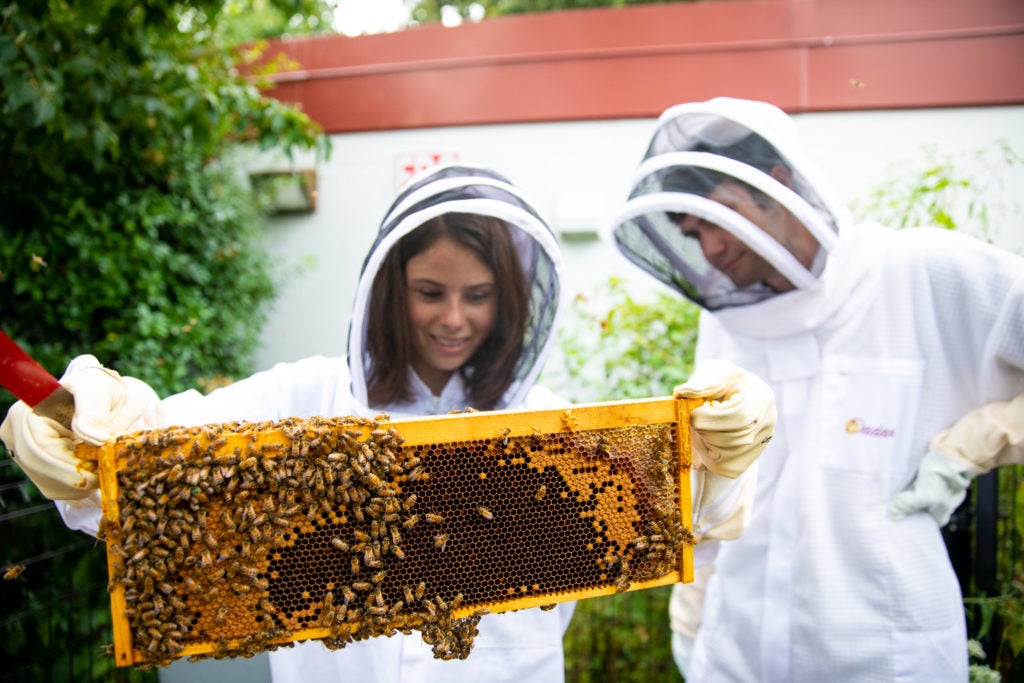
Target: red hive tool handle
(30, 382)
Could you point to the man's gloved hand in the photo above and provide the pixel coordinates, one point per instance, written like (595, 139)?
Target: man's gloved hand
(737, 421)
(106, 404)
(939, 488)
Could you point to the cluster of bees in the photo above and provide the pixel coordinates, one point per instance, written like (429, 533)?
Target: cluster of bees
(234, 539)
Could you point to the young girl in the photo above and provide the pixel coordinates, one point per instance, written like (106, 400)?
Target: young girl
(454, 308)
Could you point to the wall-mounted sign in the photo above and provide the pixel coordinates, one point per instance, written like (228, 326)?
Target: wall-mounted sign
(409, 164)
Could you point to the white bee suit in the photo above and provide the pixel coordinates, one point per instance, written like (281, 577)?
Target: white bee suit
(895, 336)
(519, 646)
(823, 583)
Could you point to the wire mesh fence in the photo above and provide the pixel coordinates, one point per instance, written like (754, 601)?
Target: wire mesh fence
(55, 623)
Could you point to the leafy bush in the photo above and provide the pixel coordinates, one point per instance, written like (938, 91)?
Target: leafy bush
(127, 232)
(614, 346)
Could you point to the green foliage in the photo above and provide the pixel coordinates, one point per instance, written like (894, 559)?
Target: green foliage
(622, 637)
(960, 191)
(616, 347)
(431, 10)
(244, 20)
(127, 233)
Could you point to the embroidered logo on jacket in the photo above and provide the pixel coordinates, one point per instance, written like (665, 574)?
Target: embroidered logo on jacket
(857, 426)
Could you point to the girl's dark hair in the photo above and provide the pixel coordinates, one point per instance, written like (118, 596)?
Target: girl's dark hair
(491, 370)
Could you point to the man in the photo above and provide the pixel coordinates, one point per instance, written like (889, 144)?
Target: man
(896, 359)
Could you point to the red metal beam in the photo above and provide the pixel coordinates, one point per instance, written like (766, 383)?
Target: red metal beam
(803, 55)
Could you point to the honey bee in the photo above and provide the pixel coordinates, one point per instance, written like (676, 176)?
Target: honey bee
(251, 572)
(340, 545)
(485, 513)
(541, 491)
(411, 521)
(206, 559)
(14, 572)
(440, 541)
(434, 518)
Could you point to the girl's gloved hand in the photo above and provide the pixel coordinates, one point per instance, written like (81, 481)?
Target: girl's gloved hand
(106, 404)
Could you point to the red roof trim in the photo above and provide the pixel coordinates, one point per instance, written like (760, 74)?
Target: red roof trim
(803, 55)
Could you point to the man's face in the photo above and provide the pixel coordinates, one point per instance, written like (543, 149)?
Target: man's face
(726, 252)
(740, 263)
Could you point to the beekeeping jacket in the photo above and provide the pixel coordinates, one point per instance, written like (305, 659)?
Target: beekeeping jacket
(517, 646)
(887, 338)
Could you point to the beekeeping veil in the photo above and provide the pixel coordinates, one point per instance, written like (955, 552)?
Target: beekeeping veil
(462, 188)
(694, 148)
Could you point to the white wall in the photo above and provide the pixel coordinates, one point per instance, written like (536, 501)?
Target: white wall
(578, 175)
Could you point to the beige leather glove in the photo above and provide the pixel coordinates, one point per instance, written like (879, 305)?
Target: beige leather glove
(106, 404)
(986, 437)
(736, 423)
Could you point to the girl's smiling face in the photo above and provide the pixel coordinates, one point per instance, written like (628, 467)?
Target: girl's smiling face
(452, 303)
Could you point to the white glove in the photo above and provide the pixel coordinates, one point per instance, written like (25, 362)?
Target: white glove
(106, 404)
(939, 488)
(734, 426)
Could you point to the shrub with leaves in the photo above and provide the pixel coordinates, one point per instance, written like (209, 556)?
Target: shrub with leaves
(126, 231)
(614, 346)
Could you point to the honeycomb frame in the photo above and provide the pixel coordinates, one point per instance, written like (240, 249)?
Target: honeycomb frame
(232, 539)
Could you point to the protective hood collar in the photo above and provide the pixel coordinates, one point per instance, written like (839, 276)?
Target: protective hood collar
(463, 188)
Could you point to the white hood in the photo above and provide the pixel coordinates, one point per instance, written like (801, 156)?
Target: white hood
(461, 188)
(693, 148)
